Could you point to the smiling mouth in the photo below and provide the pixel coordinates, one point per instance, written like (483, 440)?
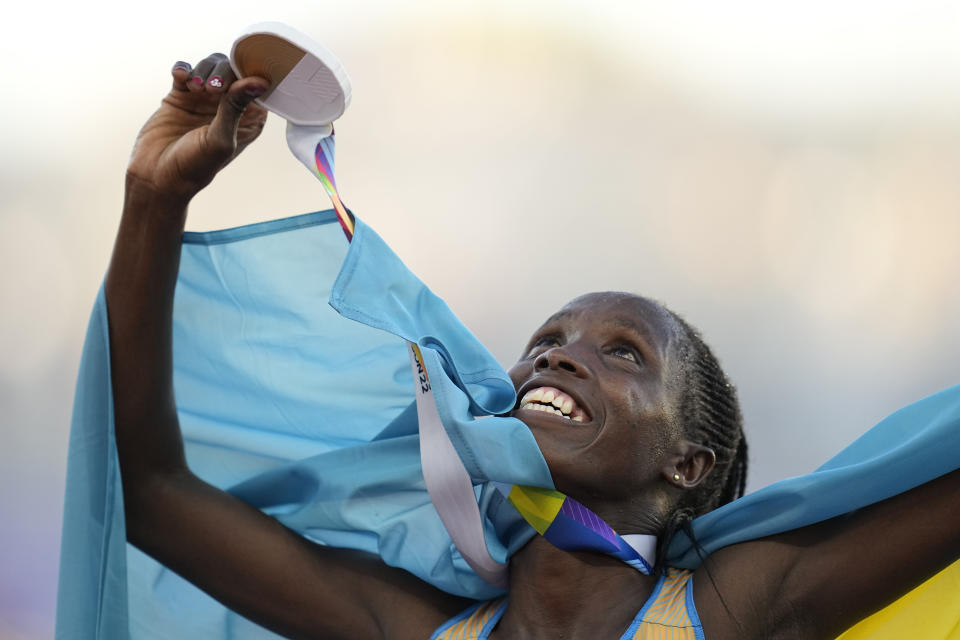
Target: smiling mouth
(551, 400)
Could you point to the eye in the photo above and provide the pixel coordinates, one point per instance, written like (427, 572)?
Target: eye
(542, 343)
(626, 352)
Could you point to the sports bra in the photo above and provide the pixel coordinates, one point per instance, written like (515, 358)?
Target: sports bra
(668, 614)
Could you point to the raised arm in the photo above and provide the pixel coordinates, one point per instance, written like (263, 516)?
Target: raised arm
(818, 581)
(243, 558)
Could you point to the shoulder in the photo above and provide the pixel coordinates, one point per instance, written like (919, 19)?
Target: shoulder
(738, 593)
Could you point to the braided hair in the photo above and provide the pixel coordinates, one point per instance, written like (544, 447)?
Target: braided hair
(709, 414)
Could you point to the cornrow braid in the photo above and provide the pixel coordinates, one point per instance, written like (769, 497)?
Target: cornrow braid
(709, 413)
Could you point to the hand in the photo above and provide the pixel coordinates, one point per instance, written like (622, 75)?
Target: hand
(203, 123)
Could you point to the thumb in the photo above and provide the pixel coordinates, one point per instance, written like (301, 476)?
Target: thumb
(223, 127)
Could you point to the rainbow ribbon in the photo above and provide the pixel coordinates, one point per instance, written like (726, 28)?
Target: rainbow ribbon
(324, 161)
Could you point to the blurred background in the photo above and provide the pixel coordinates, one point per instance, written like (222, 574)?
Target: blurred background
(785, 176)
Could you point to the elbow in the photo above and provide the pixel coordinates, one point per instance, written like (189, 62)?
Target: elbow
(150, 502)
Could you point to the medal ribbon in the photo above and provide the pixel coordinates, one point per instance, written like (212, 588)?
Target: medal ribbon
(560, 519)
(571, 526)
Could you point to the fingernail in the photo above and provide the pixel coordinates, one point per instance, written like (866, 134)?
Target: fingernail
(197, 80)
(255, 92)
(180, 64)
(216, 82)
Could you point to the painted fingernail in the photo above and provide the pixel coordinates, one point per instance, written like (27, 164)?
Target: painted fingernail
(255, 92)
(180, 64)
(197, 80)
(216, 82)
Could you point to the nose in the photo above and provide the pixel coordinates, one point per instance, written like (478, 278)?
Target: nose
(559, 358)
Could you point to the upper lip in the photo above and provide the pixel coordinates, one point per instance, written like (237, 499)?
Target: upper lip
(546, 382)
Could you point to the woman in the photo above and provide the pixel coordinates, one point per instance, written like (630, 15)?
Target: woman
(656, 440)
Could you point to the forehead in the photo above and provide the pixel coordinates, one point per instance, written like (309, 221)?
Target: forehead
(624, 310)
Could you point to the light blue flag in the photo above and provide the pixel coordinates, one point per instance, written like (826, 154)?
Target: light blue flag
(294, 392)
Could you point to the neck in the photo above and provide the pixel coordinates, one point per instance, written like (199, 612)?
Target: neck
(563, 594)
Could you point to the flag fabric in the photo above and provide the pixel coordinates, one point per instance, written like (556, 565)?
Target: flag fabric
(294, 392)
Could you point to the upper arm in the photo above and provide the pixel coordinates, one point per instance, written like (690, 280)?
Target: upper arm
(274, 576)
(820, 580)
(848, 567)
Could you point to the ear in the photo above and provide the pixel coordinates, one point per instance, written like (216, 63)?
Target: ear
(691, 463)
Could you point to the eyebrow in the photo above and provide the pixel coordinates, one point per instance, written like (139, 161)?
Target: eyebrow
(557, 317)
(623, 322)
(642, 330)
(655, 348)
(650, 341)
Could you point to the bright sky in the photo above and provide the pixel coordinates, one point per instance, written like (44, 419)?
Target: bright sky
(783, 58)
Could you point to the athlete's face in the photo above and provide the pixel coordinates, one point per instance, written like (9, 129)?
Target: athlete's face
(594, 386)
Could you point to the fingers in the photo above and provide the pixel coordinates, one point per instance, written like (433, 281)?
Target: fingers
(221, 77)
(181, 74)
(213, 75)
(204, 72)
(238, 97)
(210, 88)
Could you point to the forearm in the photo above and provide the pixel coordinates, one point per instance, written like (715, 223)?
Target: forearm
(139, 293)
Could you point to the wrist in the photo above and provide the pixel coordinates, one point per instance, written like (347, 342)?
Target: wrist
(143, 198)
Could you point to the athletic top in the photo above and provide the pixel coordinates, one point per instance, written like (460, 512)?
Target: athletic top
(668, 614)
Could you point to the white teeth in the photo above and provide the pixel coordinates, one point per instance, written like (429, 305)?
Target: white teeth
(545, 408)
(532, 396)
(552, 401)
